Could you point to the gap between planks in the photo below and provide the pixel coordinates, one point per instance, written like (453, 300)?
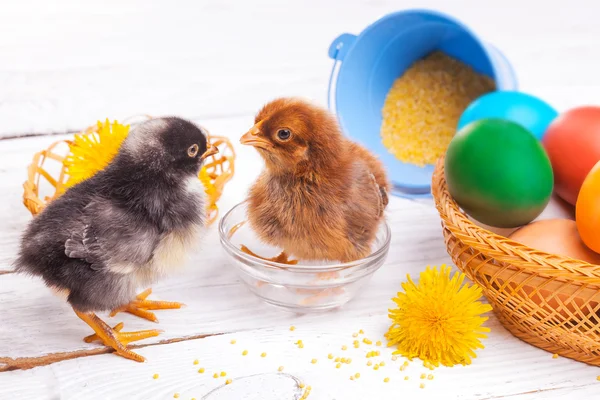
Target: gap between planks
(11, 364)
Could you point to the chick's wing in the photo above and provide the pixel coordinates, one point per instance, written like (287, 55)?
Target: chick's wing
(106, 236)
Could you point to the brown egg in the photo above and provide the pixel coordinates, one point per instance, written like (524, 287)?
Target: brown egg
(556, 236)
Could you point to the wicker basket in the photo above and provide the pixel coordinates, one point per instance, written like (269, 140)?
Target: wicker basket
(549, 301)
(46, 175)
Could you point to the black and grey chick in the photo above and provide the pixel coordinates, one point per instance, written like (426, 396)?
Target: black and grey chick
(124, 228)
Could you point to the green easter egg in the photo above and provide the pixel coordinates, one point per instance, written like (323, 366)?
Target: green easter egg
(499, 173)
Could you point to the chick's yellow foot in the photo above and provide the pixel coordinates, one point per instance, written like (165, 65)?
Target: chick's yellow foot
(141, 305)
(113, 337)
(282, 258)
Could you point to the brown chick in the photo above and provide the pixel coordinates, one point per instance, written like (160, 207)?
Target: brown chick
(321, 196)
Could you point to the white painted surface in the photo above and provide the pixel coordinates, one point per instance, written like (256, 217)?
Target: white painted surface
(507, 368)
(65, 64)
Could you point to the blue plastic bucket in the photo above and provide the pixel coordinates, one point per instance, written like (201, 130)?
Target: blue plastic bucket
(370, 62)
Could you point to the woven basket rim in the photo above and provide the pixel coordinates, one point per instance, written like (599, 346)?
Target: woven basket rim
(503, 249)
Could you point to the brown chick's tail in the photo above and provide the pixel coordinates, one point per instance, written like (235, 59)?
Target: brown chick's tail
(384, 196)
(381, 195)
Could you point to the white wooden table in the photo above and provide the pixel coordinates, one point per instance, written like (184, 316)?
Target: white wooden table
(63, 65)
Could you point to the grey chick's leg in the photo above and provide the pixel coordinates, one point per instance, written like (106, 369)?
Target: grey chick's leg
(112, 337)
(140, 306)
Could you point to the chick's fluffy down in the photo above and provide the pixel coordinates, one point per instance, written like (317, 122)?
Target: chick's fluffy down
(325, 197)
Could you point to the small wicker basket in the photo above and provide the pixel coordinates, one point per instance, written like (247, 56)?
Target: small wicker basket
(547, 300)
(46, 175)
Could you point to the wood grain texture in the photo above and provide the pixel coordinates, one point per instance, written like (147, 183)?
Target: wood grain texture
(65, 64)
(506, 368)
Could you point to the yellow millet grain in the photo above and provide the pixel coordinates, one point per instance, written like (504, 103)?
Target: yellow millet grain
(280, 368)
(233, 341)
(344, 347)
(338, 365)
(228, 381)
(196, 362)
(201, 371)
(423, 376)
(245, 352)
(263, 355)
(386, 380)
(155, 376)
(422, 109)
(554, 355)
(176, 395)
(422, 386)
(330, 356)
(292, 328)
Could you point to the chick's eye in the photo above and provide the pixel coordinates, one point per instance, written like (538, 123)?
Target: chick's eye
(284, 134)
(193, 150)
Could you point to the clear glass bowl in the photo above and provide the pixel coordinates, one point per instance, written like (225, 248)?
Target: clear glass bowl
(304, 287)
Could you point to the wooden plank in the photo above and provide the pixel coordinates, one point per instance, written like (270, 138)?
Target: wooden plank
(61, 66)
(506, 368)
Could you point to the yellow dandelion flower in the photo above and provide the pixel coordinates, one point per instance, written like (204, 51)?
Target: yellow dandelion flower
(439, 319)
(91, 152)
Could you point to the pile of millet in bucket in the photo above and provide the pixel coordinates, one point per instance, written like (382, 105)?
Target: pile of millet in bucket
(422, 108)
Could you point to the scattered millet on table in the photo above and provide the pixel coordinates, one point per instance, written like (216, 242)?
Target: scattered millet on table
(422, 109)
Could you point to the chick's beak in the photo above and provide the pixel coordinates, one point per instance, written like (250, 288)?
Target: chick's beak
(252, 138)
(209, 152)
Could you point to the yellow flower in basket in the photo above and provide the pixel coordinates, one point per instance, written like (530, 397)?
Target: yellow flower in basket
(93, 149)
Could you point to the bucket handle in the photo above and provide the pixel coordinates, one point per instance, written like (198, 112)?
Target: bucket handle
(337, 51)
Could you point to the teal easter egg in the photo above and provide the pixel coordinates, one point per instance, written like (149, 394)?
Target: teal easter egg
(524, 109)
(499, 173)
